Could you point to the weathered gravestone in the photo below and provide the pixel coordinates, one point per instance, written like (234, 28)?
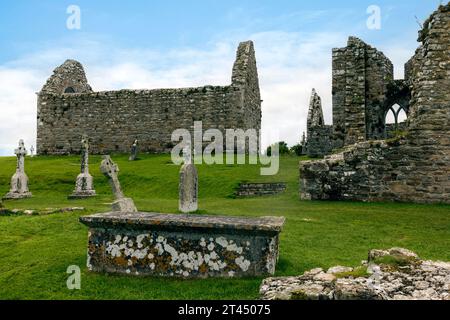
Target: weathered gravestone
(19, 181)
(84, 187)
(188, 186)
(134, 151)
(111, 170)
(178, 245)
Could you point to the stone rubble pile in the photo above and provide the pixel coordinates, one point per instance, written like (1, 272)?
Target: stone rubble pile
(394, 274)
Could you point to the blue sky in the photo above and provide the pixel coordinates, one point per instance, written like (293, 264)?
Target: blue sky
(147, 44)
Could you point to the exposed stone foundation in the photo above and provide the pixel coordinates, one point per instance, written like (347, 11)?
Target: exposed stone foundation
(189, 246)
(260, 189)
(395, 274)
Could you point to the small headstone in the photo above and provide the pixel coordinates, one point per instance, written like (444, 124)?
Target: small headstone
(19, 181)
(111, 170)
(134, 151)
(84, 187)
(32, 151)
(188, 187)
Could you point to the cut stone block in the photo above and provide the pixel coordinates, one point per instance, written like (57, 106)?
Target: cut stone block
(177, 245)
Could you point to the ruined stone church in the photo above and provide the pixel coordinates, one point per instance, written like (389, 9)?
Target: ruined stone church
(364, 94)
(414, 164)
(68, 108)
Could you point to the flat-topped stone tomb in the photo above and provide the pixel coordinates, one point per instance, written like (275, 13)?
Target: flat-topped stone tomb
(179, 245)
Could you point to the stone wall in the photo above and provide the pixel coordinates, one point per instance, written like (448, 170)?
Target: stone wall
(319, 134)
(360, 77)
(68, 108)
(320, 141)
(260, 189)
(392, 130)
(414, 167)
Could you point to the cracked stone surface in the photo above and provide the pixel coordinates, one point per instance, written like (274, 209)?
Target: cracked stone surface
(179, 245)
(410, 278)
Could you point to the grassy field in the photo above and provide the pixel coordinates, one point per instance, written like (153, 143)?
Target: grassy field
(35, 251)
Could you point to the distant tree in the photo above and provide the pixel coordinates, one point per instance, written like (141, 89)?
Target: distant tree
(282, 148)
(297, 149)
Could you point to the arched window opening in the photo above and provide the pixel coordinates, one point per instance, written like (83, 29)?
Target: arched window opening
(401, 117)
(69, 90)
(395, 115)
(390, 117)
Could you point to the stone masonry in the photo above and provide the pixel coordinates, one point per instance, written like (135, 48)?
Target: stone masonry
(364, 91)
(68, 109)
(319, 135)
(260, 189)
(413, 167)
(185, 246)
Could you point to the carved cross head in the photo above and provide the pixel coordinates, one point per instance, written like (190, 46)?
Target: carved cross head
(21, 151)
(187, 156)
(109, 168)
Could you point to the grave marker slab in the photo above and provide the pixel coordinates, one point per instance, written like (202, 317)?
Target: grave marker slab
(188, 186)
(134, 151)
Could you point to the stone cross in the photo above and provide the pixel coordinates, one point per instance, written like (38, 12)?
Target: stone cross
(84, 187)
(20, 152)
(111, 170)
(85, 155)
(19, 181)
(134, 150)
(188, 187)
(187, 156)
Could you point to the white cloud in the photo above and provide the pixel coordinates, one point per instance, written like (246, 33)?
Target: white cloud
(17, 108)
(290, 64)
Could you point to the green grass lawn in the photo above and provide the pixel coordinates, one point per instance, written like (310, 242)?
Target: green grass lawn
(35, 251)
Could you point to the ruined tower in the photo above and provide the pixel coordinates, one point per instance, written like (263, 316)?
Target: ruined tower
(361, 75)
(319, 134)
